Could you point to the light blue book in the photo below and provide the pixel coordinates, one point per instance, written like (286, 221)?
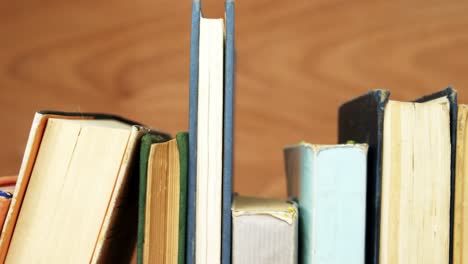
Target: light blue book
(329, 183)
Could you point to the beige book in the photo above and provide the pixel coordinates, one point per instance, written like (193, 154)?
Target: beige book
(460, 226)
(73, 201)
(415, 207)
(264, 231)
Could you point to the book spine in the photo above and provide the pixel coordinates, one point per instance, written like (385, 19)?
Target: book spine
(182, 143)
(229, 80)
(193, 113)
(144, 151)
(306, 205)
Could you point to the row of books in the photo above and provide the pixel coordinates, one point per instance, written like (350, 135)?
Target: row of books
(92, 184)
(99, 188)
(392, 191)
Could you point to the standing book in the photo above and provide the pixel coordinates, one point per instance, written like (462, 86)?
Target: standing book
(162, 203)
(329, 183)
(78, 175)
(265, 231)
(410, 173)
(211, 110)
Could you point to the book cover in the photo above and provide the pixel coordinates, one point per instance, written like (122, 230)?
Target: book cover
(362, 120)
(192, 148)
(332, 200)
(229, 93)
(182, 143)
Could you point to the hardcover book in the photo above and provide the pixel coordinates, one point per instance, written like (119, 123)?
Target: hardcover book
(411, 151)
(329, 183)
(212, 73)
(265, 231)
(163, 212)
(78, 175)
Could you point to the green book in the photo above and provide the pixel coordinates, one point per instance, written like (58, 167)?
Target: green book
(162, 200)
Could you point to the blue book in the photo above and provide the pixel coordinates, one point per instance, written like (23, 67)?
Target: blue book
(329, 183)
(193, 107)
(227, 139)
(229, 85)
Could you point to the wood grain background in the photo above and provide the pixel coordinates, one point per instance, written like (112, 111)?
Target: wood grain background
(298, 60)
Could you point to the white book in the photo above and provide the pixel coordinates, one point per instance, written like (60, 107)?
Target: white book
(209, 142)
(264, 231)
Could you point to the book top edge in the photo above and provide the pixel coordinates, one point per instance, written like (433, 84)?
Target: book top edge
(317, 147)
(284, 210)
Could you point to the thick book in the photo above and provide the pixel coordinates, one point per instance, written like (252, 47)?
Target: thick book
(207, 70)
(396, 133)
(265, 231)
(75, 164)
(329, 183)
(162, 203)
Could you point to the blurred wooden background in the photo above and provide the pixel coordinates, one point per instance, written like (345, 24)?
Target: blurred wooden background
(298, 60)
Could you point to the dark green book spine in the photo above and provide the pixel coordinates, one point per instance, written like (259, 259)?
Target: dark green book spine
(182, 144)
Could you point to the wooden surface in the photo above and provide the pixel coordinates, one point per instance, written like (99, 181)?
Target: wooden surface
(297, 61)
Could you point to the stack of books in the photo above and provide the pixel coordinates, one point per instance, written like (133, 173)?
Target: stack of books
(99, 188)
